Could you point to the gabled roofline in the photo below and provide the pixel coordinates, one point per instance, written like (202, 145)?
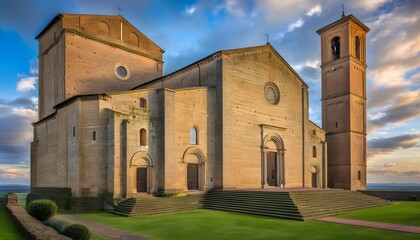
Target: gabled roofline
(316, 125)
(229, 51)
(58, 16)
(341, 21)
(61, 16)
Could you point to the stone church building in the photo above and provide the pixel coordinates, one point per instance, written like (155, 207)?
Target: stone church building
(110, 122)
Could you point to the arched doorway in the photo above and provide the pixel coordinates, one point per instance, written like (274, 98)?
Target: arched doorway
(273, 165)
(140, 173)
(314, 176)
(194, 160)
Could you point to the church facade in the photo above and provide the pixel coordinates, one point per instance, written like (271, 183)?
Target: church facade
(109, 122)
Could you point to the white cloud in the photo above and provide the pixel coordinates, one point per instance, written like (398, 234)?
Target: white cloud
(233, 8)
(376, 115)
(389, 164)
(370, 5)
(26, 83)
(317, 9)
(311, 110)
(190, 10)
(299, 23)
(13, 173)
(33, 70)
(312, 63)
(283, 10)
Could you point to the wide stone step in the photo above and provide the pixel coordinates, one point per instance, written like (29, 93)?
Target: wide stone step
(270, 214)
(307, 204)
(144, 205)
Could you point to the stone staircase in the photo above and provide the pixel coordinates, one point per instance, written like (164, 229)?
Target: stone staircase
(273, 204)
(318, 203)
(297, 205)
(145, 205)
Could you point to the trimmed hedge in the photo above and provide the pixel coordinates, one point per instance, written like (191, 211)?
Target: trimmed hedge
(58, 224)
(77, 232)
(42, 209)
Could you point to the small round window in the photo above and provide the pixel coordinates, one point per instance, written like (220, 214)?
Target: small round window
(272, 93)
(122, 71)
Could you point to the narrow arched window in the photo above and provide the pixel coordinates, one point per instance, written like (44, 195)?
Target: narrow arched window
(74, 131)
(336, 124)
(359, 175)
(357, 47)
(103, 29)
(314, 151)
(143, 103)
(335, 47)
(94, 136)
(314, 132)
(143, 137)
(193, 136)
(133, 39)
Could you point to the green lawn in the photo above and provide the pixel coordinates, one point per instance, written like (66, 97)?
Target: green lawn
(209, 224)
(8, 230)
(97, 237)
(407, 213)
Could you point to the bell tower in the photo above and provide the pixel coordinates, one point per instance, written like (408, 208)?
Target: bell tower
(343, 64)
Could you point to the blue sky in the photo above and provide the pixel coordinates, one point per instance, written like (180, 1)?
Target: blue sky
(190, 30)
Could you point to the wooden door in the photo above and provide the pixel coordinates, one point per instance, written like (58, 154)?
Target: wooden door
(141, 179)
(272, 168)
(314, 180)
(192, 176)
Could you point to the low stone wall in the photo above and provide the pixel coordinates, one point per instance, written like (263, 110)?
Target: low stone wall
(394, 195)
(31, 227)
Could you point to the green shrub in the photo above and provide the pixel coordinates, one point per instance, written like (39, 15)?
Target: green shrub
(58, 224)
(77, 232)
(42, 209)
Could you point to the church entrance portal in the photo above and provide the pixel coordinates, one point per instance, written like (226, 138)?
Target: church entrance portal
(272, 168)
(192, 176)
(141, 179)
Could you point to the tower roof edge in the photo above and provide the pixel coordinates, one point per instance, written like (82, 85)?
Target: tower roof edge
(343, 20)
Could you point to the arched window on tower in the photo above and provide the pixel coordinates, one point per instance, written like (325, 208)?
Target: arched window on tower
(359, 175)
(314, 151)
(193, 136)
(143, 137)
(143, 103)
(357, 46)
(335, 47)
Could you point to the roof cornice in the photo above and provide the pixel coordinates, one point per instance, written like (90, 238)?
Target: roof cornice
(342, 21)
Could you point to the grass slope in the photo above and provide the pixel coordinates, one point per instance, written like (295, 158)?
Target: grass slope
(210, 224)
(407, 213)
(8, 230)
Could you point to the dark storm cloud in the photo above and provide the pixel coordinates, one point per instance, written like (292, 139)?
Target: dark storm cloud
(22, 102)
(16, 130)
(29, 17)
(383, 95)
(381, 146)
(395, 114)
(311, 74)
